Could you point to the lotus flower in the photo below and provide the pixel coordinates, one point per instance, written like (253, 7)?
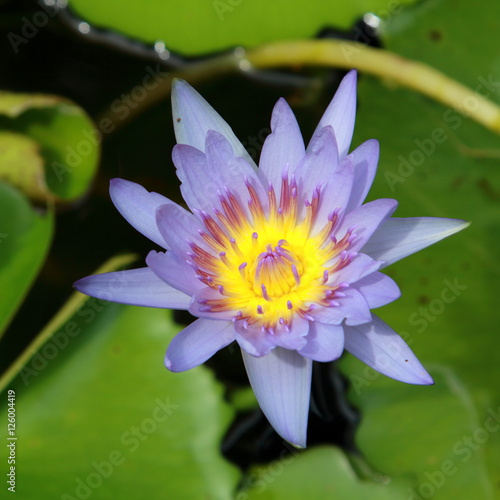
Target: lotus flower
(284, 259)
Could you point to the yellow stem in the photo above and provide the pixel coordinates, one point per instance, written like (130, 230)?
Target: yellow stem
(336, 54)
(383, 64)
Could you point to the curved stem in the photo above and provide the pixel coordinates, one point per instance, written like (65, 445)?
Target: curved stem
(384, 64)
(331, 53)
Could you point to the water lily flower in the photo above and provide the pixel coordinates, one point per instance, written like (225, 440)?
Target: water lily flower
(284, 259)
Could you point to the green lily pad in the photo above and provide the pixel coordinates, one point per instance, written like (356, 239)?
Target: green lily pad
(323, 472)
(204, 26)
(436, 162)
(434, 434)
(25, 236)
(54, 132)
(98, 414)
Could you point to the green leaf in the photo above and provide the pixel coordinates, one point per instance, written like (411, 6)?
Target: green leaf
(204, 26)
(22, 165)
(52, 131)
(98, 414)
(436, 162)
(25, 236)
(434, 433)
(318, 473)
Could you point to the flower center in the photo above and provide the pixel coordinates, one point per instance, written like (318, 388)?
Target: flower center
(275, 272)
(264, 263)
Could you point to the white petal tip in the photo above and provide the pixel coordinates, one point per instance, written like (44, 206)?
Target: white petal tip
(178, 83)
(411, 371)
(171, 366)
(413, 374)
(413, 378)
(299, 444)
(168, 364)
(425, 380)
(351, 77)
(452, 226)
(298, 439)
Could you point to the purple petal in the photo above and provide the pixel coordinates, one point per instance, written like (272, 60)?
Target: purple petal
(324, 342)
(334, 194)
(194, 117)
(352, 308)
(341, 113)
(364, 160)
(282, 384)
(284, 147)
(319, 164)
(204, 176)
(178, 227)
(398, 238)
(138, 207)
(361, 266)
(381, 348)
(191, 164)
(197, 343)
(293, 336)
(252, 339)
(378, 289)
(366, 219)
(174, 271)
(137, 287)
(229, 172)
(198, 305)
